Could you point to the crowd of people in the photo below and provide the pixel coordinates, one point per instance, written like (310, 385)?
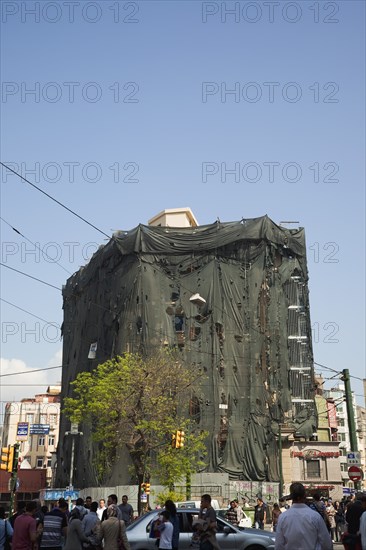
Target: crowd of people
(309, 523)
(88, 526)
(304, 525)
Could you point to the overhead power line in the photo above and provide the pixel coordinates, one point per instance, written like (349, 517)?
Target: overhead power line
(55, 200)
(35, 245)
(30, 371)
(30, 276)
(26, 311)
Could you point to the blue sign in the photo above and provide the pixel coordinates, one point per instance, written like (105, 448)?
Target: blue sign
(55, 494)
(22, 431)
(73, 495)
(40, 429)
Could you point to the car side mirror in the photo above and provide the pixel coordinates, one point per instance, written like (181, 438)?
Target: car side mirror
(227, 529)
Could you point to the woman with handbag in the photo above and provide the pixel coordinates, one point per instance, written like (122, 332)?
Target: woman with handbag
(6, 531)
(113, 531)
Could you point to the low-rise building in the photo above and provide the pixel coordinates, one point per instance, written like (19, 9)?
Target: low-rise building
(34, 423)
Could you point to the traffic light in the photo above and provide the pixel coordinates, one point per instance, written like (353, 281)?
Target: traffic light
(143, 487)
(7, 458)
(179, 442)
(147, 488)
(16, 448)
(174, 440)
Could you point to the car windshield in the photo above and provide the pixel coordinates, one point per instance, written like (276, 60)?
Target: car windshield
(140, 519)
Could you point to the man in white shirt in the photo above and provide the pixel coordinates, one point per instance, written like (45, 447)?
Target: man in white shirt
(300, 527)
(101, 508)
(363, 524)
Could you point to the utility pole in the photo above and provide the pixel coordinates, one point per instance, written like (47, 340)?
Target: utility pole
(280, 489)
(350, 415)
(350, 410)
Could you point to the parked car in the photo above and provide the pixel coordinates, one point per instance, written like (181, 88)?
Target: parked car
(228, 536)
(196, 504)
(244, 522)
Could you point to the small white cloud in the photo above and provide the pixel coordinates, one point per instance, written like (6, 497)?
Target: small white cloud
(23, 381)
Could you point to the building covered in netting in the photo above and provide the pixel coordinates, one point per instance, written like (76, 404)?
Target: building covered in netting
(233, 298)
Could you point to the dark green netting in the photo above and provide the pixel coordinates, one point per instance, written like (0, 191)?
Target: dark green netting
(252, 338)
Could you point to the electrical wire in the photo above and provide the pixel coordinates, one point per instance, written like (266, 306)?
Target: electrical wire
(30, 276)
(30, 371)
(338, 373)
(35, 245)
(55, 200)
(29, 313)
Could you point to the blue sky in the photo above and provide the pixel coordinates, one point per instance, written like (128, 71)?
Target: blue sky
(131, 113)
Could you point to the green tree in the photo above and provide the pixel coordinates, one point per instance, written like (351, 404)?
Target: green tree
(139, 403)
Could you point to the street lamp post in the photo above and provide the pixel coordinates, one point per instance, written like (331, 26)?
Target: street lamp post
(74, 430)
(280, 490)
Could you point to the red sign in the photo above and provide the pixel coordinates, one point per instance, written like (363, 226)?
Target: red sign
(332, 415)
(312, 453)
(355, 473)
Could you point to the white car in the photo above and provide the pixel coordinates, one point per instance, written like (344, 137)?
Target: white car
(245, 522)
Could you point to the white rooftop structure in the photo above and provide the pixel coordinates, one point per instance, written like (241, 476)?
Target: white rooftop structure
(174, 217)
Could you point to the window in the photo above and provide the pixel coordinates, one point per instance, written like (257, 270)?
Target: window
(29, 418)
(340, 422)
(51, 440)
(341, 437)
(53, 419)
(41, 440)
(43, 419)
(49, 462)
(344, 467)
(39, 462)
(313, 468)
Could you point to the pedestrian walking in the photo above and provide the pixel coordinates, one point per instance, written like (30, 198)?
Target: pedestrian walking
(331, 512)
(362, 530)
(75, 534)
(6, 531)
(166, 532)
(91, 525)
(300, 527)
(207, 524)
(25, 528)
(174, 520)
(113, 531)
(54, 528)
(231, 515)
(19, 512)
(260, 513)
(351, 539)
(339, 519)
(276, 512)
(126, 511)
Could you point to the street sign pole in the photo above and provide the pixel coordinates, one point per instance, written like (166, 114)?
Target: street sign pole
(355, 474)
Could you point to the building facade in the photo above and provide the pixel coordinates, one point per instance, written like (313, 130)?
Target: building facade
(248, 333)
(336, 396)
(39, 417)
